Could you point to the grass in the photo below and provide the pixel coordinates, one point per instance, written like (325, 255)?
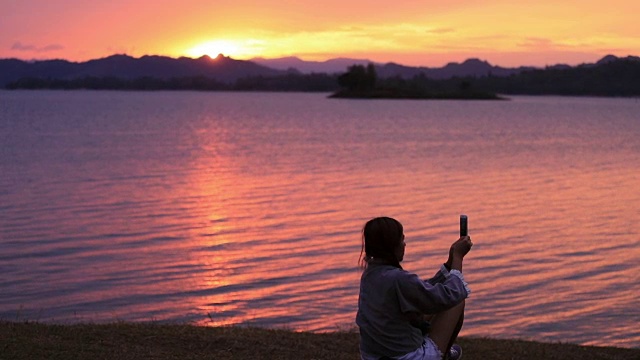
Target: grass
(29, 340)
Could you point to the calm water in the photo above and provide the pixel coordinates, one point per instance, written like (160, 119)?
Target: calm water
(232, 208)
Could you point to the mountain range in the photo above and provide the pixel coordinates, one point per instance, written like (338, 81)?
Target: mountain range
(221, 68)
(470, 67)
(227, 70)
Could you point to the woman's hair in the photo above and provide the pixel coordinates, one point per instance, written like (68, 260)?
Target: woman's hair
(380, 238)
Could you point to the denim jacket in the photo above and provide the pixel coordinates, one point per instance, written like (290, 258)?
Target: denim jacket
(391, 299)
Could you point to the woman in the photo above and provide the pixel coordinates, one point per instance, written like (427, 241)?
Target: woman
(394, 304)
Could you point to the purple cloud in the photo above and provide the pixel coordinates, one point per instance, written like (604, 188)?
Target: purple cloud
(18, 46)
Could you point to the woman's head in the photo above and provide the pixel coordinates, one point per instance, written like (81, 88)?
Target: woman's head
(383, 238)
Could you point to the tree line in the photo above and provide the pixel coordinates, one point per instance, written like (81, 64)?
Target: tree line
(289, 82)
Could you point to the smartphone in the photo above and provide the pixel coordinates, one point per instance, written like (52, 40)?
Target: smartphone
(464, 230)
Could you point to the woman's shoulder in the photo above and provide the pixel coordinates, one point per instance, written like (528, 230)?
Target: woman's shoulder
(393, 273)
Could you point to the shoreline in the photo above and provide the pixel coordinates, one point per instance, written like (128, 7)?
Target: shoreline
(408, 94)
(126, 340)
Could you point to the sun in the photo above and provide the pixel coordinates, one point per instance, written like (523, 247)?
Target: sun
(215, 47)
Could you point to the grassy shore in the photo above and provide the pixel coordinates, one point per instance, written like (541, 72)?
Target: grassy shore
(20, 340)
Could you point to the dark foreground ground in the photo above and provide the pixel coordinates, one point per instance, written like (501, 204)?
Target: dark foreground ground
(152, 341)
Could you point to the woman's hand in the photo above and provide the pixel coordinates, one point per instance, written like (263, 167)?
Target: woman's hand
(457, 252)
(461, 247)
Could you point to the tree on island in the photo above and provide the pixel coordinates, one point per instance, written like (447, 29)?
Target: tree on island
(360, 82)
(359, 78)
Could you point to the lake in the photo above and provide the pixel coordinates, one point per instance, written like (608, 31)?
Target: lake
(219, 208)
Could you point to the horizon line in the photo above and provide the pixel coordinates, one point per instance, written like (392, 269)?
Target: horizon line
(252, 59)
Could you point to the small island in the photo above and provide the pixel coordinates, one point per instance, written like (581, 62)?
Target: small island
(361, 82)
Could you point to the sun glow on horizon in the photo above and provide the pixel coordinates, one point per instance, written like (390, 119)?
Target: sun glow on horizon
(237, 49)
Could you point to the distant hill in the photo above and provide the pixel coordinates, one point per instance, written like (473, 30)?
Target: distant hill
(611, 58)
(611, 76)
(295, 64)
(223, 69)
(470, 67)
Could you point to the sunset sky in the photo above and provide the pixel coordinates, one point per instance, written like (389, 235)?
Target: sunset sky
(428, 33)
